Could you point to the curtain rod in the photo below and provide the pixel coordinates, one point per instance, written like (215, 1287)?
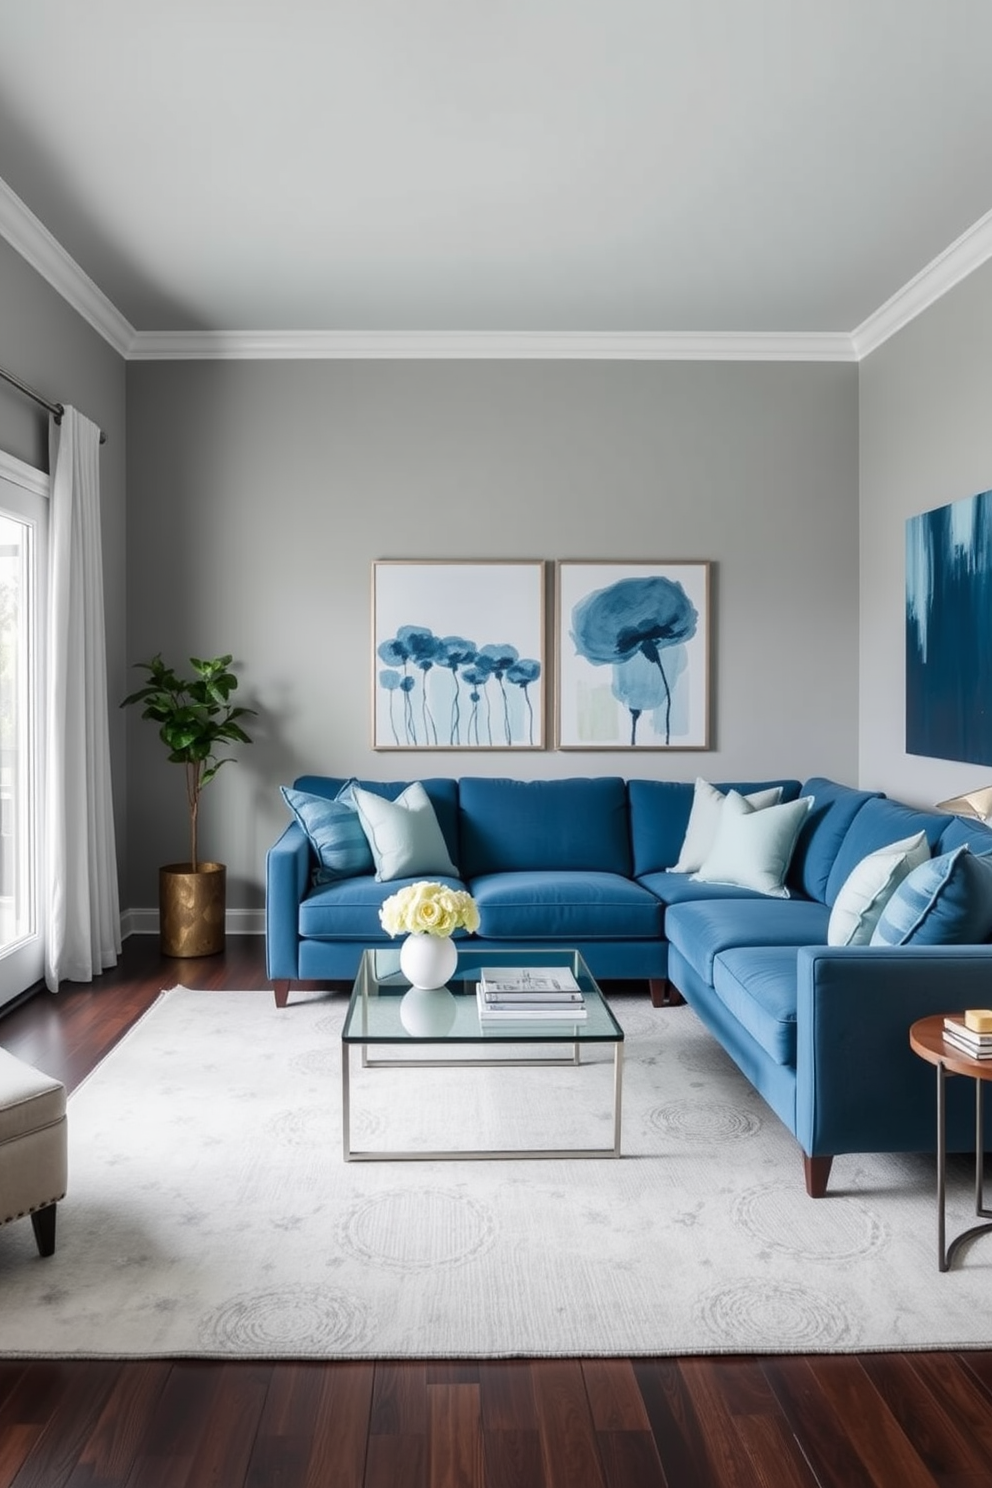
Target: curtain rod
(55, 409)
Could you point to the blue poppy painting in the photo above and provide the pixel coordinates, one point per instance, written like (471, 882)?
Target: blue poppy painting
(633, 642)
(458, 655)
(949, 631)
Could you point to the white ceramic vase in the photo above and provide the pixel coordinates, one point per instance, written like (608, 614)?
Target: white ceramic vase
(428, 961)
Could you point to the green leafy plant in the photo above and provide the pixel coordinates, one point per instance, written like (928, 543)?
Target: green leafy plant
(195, 718)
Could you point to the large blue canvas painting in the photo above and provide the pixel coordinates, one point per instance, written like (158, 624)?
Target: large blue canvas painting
(458, 655)
(949, 631)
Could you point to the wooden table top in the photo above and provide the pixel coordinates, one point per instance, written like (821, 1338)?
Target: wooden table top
(926, 1038)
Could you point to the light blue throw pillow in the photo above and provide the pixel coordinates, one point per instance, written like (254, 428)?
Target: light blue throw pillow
(404, 834)
(753, 848)
(946, 901)
(869, 886)
(335, 833)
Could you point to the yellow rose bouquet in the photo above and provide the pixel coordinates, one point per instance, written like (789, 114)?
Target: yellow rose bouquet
(429, 909)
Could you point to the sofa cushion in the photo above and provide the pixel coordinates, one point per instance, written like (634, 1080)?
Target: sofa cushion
(563, 905)
(349, 909)
(701, 930)
(879, 823)
(869, 886)
(946, 901)
(660, 811)
(404, 835)
(512, 826)
(708, 802)
(959, 831)
(824, 829)
(758, 987)
(334, 832)
(752, 848)
(677, 888)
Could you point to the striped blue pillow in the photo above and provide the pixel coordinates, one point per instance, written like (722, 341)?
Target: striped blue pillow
(945, 901)
(335, 832)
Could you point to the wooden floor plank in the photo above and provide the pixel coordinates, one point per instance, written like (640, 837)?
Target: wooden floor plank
(396, 1461)
(399, 1400)
(879, 1440)
(16, 1443)
(512, 1458)
(179, 1426)
(79, 1404)
(733, 1398)
(225, 1449)
(617, 1403)
(454, 1436)
(773, 1452)
(936, 1411)
(108, 1455)
(339, 1430)
(280, 1452)
(630, 1460)
(726, 1461)
(821, 1433)
(564, 1421)
(674, 1425)
(506, 1390)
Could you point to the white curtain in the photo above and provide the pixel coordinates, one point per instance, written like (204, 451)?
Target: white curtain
(83, 908)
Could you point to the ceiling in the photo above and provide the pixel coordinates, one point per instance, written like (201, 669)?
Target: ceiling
(499, 166)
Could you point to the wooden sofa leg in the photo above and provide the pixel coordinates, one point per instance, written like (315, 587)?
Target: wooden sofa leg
(664, 993)
(817, 1170)
(43, 1222)
(281, 990)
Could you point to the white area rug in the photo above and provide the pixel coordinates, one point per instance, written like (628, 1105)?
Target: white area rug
(210, 1212)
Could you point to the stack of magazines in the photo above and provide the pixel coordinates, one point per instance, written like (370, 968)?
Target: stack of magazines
(957, 1033)
(512, 993)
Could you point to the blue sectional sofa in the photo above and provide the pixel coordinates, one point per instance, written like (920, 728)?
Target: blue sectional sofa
(820, 1030)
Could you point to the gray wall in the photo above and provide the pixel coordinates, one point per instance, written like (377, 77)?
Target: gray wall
(259, 495)
(53, 349)
(926, 439)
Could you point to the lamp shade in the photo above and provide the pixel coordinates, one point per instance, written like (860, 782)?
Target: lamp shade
(976, 803)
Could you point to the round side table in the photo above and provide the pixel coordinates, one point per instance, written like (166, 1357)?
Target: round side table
(926, 1038)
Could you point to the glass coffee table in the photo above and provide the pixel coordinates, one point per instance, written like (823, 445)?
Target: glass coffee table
(385, 1014)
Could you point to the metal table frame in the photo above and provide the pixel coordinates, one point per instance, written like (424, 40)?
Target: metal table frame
(352, 1154)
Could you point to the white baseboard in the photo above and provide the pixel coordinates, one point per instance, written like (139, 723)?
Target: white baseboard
(236, 922)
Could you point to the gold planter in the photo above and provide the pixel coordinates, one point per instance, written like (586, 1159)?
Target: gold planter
(191, 909)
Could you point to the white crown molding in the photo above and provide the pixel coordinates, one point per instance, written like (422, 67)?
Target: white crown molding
(32, 240)
(489, 346)
(26, 476)
(35, 244)
(966, 254)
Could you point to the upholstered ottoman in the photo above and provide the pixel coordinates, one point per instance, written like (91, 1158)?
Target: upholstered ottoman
(32, 1147)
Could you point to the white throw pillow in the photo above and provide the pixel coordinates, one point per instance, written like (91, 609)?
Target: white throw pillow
(704, 818)
(404, 835)
(869, 886)
(753, 849)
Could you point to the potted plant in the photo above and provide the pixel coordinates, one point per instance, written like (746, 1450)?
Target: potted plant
(195, 718)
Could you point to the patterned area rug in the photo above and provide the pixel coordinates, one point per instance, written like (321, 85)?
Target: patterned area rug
(210, 1212)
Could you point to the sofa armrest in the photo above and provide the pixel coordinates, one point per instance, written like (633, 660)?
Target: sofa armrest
(287, 875)
(859, 1086)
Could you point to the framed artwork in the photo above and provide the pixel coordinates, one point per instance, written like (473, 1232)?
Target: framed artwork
(633, 644)
(458, 655)
(948, 635)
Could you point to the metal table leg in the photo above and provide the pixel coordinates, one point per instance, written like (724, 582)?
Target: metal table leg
(945, 1253)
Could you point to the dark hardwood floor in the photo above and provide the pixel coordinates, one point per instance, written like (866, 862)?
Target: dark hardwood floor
(869, 1421)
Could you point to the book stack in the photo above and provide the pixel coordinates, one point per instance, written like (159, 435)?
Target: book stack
(967, 1040)
(523, 993)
